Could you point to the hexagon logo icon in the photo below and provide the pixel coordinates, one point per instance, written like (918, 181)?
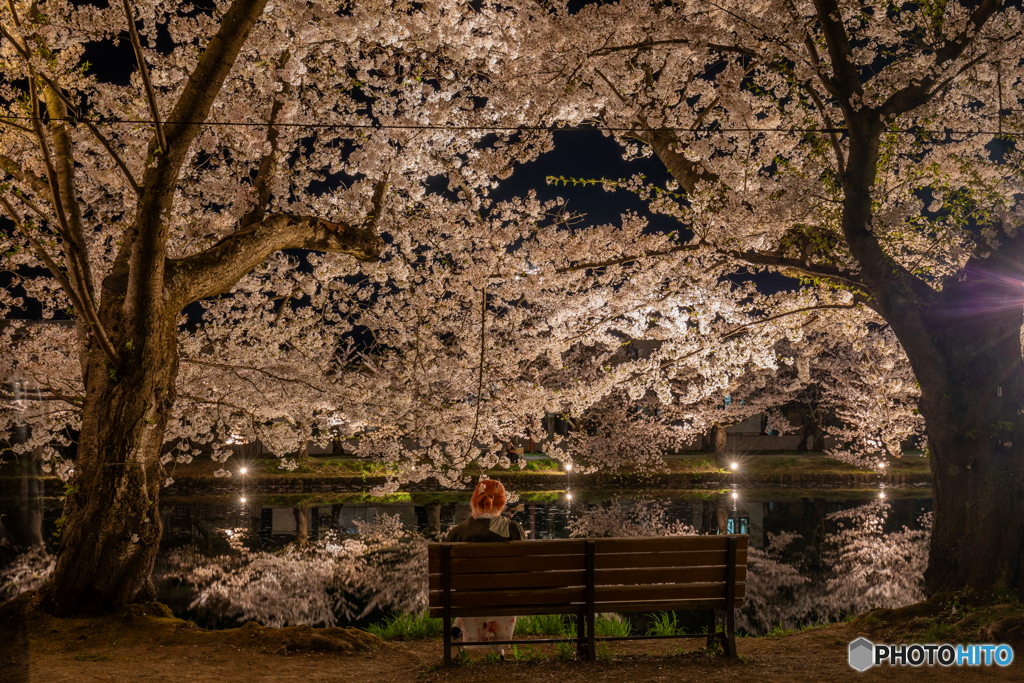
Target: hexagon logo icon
(862, 653)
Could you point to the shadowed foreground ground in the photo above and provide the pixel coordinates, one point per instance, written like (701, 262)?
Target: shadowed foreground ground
(144, 643)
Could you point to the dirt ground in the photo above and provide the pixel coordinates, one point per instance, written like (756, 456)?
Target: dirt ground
(811, 656)
(146, 643)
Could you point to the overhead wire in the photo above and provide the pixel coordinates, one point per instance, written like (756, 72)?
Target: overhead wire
(512, 129)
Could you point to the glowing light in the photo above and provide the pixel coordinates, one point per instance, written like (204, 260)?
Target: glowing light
(569, 496)
(568, 467)
(241, 500)
(735, 466)
(881, 494)
(735, 495)
(243, 470)
(881, 465)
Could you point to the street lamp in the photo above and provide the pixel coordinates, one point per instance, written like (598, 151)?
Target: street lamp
(243, 470)
(735, 466)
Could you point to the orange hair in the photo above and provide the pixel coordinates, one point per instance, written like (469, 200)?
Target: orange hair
(488, 497)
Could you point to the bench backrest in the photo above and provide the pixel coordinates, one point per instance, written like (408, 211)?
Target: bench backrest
(551, 576)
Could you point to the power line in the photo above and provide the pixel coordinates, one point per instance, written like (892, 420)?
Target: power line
(511, 129)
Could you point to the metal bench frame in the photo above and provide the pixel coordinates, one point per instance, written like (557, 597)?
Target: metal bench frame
(587, 639)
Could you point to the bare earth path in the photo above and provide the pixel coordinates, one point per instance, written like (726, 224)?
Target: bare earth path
(147, 643)
(818, 655)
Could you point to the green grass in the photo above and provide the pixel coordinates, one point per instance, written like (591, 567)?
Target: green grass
(779, 632)
(940, 633)
(541, 625)
(565, 626)
(665, 624)
(407, 627)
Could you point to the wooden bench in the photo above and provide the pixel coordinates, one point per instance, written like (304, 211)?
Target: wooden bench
(584, 577)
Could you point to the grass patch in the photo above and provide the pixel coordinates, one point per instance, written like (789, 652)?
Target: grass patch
(665, 624)
(559, 625)
(541, 625)
(939, 633)
(407, 627)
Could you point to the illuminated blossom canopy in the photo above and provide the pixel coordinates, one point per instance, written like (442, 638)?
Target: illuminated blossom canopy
(309, 244)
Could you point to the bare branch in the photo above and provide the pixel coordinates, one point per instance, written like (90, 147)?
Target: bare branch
(216, 270)
(12, 124)
(144, 71)
(241, 368)
(631, 257)
(676, 41)
(812, 270)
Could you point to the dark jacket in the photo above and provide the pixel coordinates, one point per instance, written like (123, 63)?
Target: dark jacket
(496, 529)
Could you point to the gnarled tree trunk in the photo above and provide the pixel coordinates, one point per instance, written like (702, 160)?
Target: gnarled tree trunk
(976, 429)
(111, 530)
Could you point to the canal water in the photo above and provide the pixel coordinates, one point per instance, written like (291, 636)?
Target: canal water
(230, 556)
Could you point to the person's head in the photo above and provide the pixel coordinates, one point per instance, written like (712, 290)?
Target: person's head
(488, 498)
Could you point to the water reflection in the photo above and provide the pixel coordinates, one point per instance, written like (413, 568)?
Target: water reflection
(225, 560)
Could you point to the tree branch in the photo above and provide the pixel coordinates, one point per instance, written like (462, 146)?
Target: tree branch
(144, 71)
(268, 163)
(64, 167)
(827, 120)
(87, 310)
(147, 240)
(631, 257)
(812, 270)
(846, 79)
(13, 168)
(241, 368)
(216, 270)
(676, 41)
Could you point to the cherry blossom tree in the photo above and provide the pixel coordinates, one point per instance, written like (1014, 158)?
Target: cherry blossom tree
(207, 259)
(860, 147)
(168, 242)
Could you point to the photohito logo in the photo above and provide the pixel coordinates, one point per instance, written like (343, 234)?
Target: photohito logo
(864, 654)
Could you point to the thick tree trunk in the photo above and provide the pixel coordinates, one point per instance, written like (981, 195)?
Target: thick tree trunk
(976, 432)
(111, 529)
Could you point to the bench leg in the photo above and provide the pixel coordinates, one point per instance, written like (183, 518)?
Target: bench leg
(712, 627)
(591, 638)
(730, 633)
(447, 626)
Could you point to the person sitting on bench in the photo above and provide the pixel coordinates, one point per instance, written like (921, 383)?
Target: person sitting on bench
(485, 525)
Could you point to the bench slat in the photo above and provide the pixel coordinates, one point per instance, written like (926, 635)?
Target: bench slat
(525, 610)
(602, 595)
(573, 546)
(569, 546)
(494, 565)
(603, 577)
